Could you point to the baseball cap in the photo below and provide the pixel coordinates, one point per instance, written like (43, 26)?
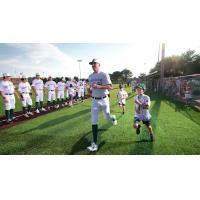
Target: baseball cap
(24, 76)
(140, 86)
(94, 61)
(6, 74)
(37, 74)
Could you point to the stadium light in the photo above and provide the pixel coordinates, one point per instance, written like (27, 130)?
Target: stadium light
(79, 62)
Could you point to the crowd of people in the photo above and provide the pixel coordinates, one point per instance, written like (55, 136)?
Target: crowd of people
(60, 94)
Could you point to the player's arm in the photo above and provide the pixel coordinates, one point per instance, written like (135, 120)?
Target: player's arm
(17, 95)
(34, 90)
(3, 96)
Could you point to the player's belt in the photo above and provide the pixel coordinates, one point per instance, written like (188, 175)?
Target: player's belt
(51, 90)
(99, 97)
(8, 94)
(25, 93)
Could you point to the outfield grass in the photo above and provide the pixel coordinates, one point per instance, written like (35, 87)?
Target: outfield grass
(68, 131)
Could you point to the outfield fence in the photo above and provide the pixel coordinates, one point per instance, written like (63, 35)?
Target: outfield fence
(182, 88)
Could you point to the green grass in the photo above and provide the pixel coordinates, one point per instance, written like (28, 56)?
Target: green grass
(68, 131)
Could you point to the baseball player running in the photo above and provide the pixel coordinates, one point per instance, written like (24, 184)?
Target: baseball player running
(51, 86)
(7, 91)
(39, 90)
(142, 104)
(24, 89)
(100, 83)
(61, 88)
(122, 95)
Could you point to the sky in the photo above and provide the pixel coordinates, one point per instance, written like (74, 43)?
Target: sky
(121, 34)
(60, 59)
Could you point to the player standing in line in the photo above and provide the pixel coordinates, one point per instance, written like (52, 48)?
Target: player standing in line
(61, 88)
(24, 89)
(81, 88)
(71, 93)
(100, 83)
(7, 91)
(39, 90)
(142, 103)
(51, 86)
(122, 95)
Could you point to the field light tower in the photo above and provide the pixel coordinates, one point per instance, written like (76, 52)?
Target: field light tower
(79, 63)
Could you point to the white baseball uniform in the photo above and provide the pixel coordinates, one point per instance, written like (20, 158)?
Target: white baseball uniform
(81, 88)
(8, 89)
(122, 95)
(24, 89)
(39, 86)
(51, 87)
(100, 99)
(61, 89)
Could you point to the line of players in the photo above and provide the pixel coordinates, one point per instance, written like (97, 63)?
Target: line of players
(74, 91)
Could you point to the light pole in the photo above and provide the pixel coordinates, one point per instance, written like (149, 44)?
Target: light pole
(79, 62)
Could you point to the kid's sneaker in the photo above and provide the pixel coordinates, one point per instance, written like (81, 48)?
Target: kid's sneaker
(114, 120)
(138, 129)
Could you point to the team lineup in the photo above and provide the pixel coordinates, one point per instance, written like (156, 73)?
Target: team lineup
(98, 88)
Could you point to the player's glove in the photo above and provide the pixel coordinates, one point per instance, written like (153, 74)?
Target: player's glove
(145, 106)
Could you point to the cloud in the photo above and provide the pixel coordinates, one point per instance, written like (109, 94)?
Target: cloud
(41, 58)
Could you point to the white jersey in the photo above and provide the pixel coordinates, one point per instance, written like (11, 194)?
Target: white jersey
(70, 82)
(61, 86)
(51, 85)
(38, 84)
(7, 87)
(140, 112)
(71, 91)
(122, 94)
(24, 87)
(80, 85)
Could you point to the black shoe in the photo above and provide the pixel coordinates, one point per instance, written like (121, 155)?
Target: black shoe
(152, 138)
(138, 130)
(123, 113)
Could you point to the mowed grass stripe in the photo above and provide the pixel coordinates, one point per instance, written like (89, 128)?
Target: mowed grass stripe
(68, 131)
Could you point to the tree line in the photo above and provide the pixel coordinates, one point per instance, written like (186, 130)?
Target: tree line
(186, 64)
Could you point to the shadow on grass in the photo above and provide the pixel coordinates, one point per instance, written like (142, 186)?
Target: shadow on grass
(142, 147)
(32, 143)
(57, 121)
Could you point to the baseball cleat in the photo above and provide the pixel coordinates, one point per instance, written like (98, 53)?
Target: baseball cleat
(30, 113)
(138, 129)
(93, 147)
(43, 109)
(26, 115)
(37, 111)
(49, 108)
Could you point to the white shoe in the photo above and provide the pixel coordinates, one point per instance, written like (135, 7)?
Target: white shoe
(114, 121)
(43, 109)
(30, 113)
(37, 111)
(26, 115)
(93, 147)
(49, 108)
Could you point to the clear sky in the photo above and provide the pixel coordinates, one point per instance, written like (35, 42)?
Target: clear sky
(61, 59)
(49, 36)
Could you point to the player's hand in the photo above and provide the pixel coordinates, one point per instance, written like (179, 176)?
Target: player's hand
(94, 85)
(145, 106)
(36, 94)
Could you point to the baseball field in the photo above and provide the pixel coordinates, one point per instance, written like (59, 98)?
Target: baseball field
(68, 131)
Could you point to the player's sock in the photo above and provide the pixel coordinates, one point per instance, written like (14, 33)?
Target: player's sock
(95, 132)
(57, 101)
(24, 110)
(54, 103)
(7, 113)
(62, 100)
(41, 104)
(48, 103)
(29, 108)
(11, 113)
(36, 105)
